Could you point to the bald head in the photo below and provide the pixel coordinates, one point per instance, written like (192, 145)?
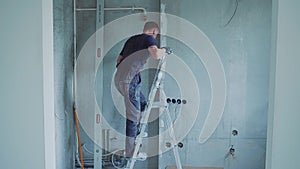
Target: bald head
(151, 28)
(150, 25)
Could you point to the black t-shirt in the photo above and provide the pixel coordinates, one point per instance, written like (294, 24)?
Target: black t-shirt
(137, 43)
(135, 54)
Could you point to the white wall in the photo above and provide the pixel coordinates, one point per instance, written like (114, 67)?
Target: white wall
(284, 136)
(21, 86)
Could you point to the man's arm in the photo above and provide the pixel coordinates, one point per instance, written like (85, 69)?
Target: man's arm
(155, 52)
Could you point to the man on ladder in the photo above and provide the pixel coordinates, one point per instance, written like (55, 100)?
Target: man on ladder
(130, 62)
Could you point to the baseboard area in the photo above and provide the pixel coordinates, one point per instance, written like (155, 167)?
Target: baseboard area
(184, 167)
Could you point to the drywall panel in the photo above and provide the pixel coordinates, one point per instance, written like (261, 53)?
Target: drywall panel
(21, 87)
(283, 136)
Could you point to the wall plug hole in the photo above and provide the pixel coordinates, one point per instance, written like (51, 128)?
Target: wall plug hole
(235, 132)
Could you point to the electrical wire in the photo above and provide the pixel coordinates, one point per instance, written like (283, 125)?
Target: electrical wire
(103, 155)
(236, 7)
(84, 147)
(78, 138)
(113, 158)
(77, 153)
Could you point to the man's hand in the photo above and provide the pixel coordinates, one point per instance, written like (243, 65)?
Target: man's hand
(168, 50)
(119, 60)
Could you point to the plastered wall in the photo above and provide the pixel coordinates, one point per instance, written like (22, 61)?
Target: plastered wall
(243, 45)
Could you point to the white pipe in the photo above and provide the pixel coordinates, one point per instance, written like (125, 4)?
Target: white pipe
(114, 9)
(132, 8)
(74, 48)
(74, 75)
(85, 9)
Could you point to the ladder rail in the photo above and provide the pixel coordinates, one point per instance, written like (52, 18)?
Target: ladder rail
(146, 113)
(173, 137)
(155, 86)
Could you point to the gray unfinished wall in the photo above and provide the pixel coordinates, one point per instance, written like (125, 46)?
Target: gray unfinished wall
(63, 74)
(244, 48)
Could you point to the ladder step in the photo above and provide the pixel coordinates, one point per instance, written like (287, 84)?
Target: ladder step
(151, 104)
(141, 157)
(159, 105)
(143, 135)
(138, 139)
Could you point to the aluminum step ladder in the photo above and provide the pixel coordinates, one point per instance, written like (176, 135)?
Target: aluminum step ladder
(156, 85)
